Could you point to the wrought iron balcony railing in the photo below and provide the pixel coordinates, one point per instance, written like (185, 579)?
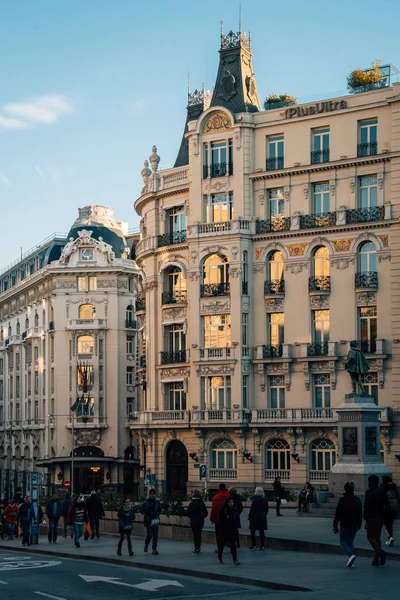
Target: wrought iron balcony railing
(280, 223)
(168, 358)
(272, 351)
(275, 163)
(173, 297)
(245, 288)
(367, 149)
(172, 237)
(218, 169)
(363, 215)
(130, 324)
(367, 346)
(215, 289)
(317, 349)
(369, 279)
(318, 220)
(140, 304)
(319, 284)
(319, 156)
(274, 286)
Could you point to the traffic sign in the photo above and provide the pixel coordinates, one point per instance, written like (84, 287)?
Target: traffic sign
(67, 484)
(203, 472)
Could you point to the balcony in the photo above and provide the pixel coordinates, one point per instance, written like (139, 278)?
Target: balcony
(280, 223)
(226, 416)
(319, 284)
(161, 418)
(173, 297)
(367, 149)
(222, 474)
(371, 346)
(293, 415)
(275, 287)
(226, 353)
(86, 324)
(269, 352)
(273, 164)
(271, 474)
(318, 349)
(319, 156)
(317, 220)
(218, 169)
(220, 227)
(170, 238)
(130, 324)
(367, 280)
(140, 305)
(169, 358)
(215, 289)
(318, 476)
(34, 332)
(365, 215)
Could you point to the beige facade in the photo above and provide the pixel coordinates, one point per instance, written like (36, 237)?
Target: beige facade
(264, 256)
(66, 308)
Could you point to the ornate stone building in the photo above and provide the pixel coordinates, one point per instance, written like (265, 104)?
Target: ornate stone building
(271, 244)
(67, 332)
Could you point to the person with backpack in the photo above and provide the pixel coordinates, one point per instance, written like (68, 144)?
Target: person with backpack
(53, 512)
(126, 516)
(197, 512)
(258, 518)
(375, 507)
(393, 498)
(349, 516)
(11, 517)
(151, 509)
(227, 534)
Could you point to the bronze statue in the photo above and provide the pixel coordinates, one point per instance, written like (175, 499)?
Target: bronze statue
(356, 366)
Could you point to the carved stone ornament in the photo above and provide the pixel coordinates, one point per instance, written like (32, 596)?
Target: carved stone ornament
(106, 283)
(296, 249)
(216, 122)
(215, 370)
(154, 159)
(150, 285)
(88, 437)
(319, 301)
(194, 275)
(259, 268)
(385, 439)
(234, 272)
(342, 263)
(171, 314)
(352, 184)
(381, 179)
(306, 190)
(146, 174)
(235, 251)
(228, 86)
(193, 256)
(65, 284)
(274, 305)
(261, 195)
(83, 240)
(384, 256)
(306, 371)
(177, 372)
(332, 187)
(215, 306)
(258, 252)
(213, 249)
(385, 240)
(296, 267)
(286, 192)
(245, 304)
(342, 245)
(366, 298)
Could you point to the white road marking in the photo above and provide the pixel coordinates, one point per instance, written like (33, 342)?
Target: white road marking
(15, 566)
(49, 596)
(149, 585)
(4, 582)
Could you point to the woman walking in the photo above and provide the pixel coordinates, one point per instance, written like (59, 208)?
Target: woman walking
(126, 516)
(279, 493)
(197, 511)
(227, 531)
(393, 497)
(77, 517)
(258, 518)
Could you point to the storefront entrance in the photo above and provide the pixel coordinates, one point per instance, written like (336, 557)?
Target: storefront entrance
(177, 467)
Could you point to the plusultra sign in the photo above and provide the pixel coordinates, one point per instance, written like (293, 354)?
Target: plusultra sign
(314, 109)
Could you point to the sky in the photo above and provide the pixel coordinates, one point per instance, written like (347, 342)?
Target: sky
(88, 86)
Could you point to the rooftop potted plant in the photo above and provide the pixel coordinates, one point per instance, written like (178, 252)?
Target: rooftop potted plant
(364, 81)
(279, 100)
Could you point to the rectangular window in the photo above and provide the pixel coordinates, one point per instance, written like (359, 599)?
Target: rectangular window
(85, 375)
(367, 137)
(276, 203)
(129, 375)
(245, 318)
(17, 411)
(219, 208)
(11, 386)
(216, 393)
(321, 326)
(277, 391)
(36, 382)
(129, 344)
(86, 408)
(217, 331)
(17, 360)
(1, 389)
(86, 254)
(276, 329)
(322, 390)
(176, 338)
(92, 284)
(320, 198)
(81, 284)
(218, 159)
(176, 219)
(275, 153)
(129, 407)
(245, 391)
(368, 323)
(17, 385)
(368, 190)
(36, 352)
(370, 381)
(36, 409)
(175, 397)
(320, 146)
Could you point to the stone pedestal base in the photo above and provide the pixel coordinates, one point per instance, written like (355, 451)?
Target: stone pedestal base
(356, 472)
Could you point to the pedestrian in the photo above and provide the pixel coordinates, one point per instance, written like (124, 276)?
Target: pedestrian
(305, 497)
(26, 517)
(375, 507)
(65, 506)
(151, 509)
(228, 525)
(197, 512)
(237, 502)
(393, 497)
(126, 516)
(348, 516)
(53, 512)
(279, 494)
(11, 517)
(218, 502)
(258, 518)
(77, 517)
(95, 510)
(3, 523)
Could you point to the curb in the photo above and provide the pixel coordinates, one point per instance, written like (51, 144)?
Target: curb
(271, 585)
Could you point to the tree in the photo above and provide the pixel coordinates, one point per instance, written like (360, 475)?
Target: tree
(363, 81)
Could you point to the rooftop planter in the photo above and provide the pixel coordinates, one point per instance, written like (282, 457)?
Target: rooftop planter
(278, 101)
(369, 79)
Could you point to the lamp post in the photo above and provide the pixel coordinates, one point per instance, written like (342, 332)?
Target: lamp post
(72, 410)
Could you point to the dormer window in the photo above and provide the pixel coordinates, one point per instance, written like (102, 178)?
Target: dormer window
(87, 254)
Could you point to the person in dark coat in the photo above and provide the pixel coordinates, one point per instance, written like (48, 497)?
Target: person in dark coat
(349, 516)
(95, 510)
(26, 517)
(237, 502)
(53, 512)
(305, 497)
(375, 507)
(65, 506)
(126, 516)
(197, 512)
(393, 497)
(151, 509)
(227, 533)
(217, 505)
(258, 518)
(279, 493)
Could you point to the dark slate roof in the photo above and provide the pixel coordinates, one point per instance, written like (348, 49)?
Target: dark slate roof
(193, 113)
(114, 237)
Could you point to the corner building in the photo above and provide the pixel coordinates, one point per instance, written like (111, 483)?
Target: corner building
(271, 244)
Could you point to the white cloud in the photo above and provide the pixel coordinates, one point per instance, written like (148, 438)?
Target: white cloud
(40, 172)
(5, 180)
(41, 110)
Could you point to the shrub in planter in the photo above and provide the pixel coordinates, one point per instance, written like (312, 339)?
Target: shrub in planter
(363, 81)
(278, 100)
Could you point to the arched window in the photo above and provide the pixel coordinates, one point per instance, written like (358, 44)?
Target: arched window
(174, 286)
(223, 460)
(36, 320)
(277, 459)
(367, 258)
(36, 453)
(215, 276)
(130, 317)
(85, 344)
(323, 457)
(321, 262)
(275, 283)
(87, 311)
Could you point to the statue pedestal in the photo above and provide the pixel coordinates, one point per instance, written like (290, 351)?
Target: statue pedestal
(359, 443)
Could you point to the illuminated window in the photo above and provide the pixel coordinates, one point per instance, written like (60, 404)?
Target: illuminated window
(85, 344)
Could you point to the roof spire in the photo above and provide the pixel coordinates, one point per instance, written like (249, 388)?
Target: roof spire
(240, 18)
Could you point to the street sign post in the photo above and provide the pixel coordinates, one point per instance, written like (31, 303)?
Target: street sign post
(67, 485)
(35, 506)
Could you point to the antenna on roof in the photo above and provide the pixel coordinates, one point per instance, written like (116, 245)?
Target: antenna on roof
(240, 18)
(188, 83)
(220, 24)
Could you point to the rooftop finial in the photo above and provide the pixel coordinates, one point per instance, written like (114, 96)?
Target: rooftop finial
(240, 18)
(188, 83)
(220, 24)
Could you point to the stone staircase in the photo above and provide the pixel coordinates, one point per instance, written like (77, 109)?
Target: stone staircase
(325, 506)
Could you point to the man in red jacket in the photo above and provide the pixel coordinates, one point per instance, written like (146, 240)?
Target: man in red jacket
(217, 505)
